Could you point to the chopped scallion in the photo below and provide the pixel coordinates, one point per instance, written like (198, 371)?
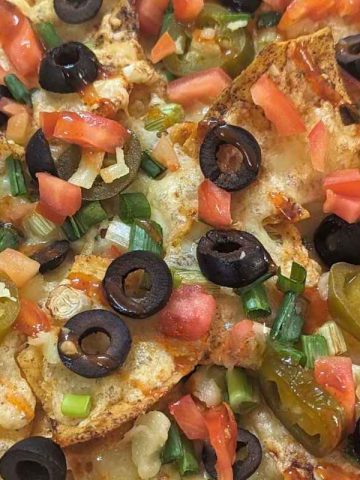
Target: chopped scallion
(48, 35)
(255, 302)
(260, 280)
(182, 276)
(242, 396)
(314, 347)
(150, 166)
(161, 117)
(146, 235)
(38, 225)
(188, 463)
(17, 89)
(296, 282)
(88, 216)
(173, 450)
(134, 206)
(288, 323)
(72, 230)
(232, 17)
(16, 176)
(268, 19)
(76, 406)
(288, 353)
(9, 237)
(334, 338)
(118, 232)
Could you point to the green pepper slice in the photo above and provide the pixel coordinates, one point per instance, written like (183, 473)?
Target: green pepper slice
(344, 296)
(232, 50)
(68, 163)
(310, 414)
(9, 303)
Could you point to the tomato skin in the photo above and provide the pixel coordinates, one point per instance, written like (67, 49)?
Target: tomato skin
(18, 267)
(344, 182)
(214, 205)
(319, 143)
(278, 107)
(84, 129)
(335, 375)
(60, 196)
(347, 208)
(188, 314)
(202, 87)
(151, 14)
(31, 319)
(222, 428)
(19, 41)
(317, 312)
(189, 418)
(187, 10)
(50, 214)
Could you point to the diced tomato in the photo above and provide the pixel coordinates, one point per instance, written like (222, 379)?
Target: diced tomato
(18, 266)
(277, 106)
(10, 107)
(50, 214)
(164, 47)
(317, 312)
(244, 344)
(31, 319)
(189, 418)
(19, 41)
(62, 197)
(187, 10)
(319, 144)
(347, 8)
(278, 5)
(202, 87)
(151, 14)
(347, 208)
(336, 376)
(14, 209)
(85, 129)
(344, 182)
(188, 314)
(214, 205)
(222, 428)
(112, 252)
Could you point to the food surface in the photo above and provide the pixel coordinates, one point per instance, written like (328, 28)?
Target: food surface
(179, 233)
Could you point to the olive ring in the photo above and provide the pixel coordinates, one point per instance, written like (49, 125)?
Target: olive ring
(81, 326)
(52, 256)
(77, 12)
(232, 258)
(155, 298)
(38, 155)
(237, 178)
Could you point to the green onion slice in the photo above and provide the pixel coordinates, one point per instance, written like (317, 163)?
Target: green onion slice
(134, 206)
(9, 237)
(48, 35)
(188, 463)
(288, 323)
(314, 347)
(161, 117)
(334, 338)
(242, 396)
(76, 406)
(146, 235)
(39, 226)
(260, 280)
(17, 89)
(150, 166)
(173, 450)
(255, 302)
(288, 353)
(16, 176)
(296, 282)
(268, 19)
(87, 217)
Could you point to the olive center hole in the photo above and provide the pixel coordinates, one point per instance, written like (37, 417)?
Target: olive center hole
(242, 452)
(226, 247)
(95, 343)
(67, 57)
(137, 283)
(28, 469)
(229, 158)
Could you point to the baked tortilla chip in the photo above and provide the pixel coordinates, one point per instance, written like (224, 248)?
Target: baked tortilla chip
(286, 172)
(154, 365)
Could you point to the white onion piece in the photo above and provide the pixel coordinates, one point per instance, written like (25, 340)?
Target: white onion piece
(118, 170)
(89, 168)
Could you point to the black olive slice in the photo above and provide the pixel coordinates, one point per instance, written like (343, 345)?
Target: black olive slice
(242, 5)
(242, 469)
(51, 256)
(355, 440)
(35, 458)
(68, 68)
(75, 12)
(154, 299)
(230, 175)
(350, 114)
(94, 365)
(348, 54)
(68, 163)
(232, 258)
(336, 240)
(38, 155)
